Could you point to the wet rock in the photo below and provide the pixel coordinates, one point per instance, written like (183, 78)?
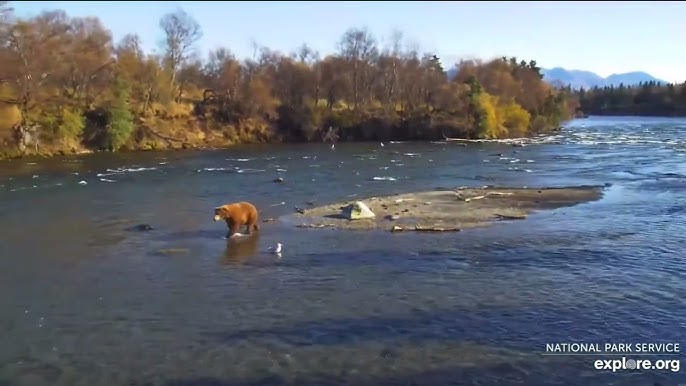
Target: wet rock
(278, 179)
(387, 353)
(141, 228)
(392, 217)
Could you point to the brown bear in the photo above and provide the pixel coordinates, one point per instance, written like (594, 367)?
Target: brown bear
(237, 215)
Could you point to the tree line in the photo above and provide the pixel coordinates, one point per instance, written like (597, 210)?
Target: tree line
(66, 86)
(645, 99)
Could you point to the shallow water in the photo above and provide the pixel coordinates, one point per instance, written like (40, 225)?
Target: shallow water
(86, 300)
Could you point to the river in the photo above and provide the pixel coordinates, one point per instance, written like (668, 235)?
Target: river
(86, 300)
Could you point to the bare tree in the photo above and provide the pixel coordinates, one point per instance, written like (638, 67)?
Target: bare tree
(306, 54)
(84, 74)
(394, 54)
(181, 33)
(359, 47)
(130, 43)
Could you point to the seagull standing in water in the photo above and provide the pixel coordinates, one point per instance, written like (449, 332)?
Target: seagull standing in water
(275, 250)
(333, 146)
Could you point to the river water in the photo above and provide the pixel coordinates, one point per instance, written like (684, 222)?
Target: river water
(86, 300)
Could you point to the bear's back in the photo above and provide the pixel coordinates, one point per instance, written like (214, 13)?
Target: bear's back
(243, 211)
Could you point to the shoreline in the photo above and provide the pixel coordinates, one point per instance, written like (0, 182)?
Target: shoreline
(449, 210)
(9, 155)
(86, 152)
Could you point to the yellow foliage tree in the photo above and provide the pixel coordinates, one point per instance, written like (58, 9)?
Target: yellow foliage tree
(490, 124)
(70, 126)
(515, 119)
(9, 116)
(502, 119)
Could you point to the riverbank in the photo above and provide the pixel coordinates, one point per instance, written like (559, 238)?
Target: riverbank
(13, 155)
(448, 210)
(50, 152)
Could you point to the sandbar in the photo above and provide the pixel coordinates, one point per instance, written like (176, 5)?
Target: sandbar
(448, 209)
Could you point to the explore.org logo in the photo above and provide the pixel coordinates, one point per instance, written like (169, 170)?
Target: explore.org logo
(627, 356)
(673, 365)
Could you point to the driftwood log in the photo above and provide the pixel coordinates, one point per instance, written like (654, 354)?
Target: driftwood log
(468, 199)
(419, 228)
(315, 226)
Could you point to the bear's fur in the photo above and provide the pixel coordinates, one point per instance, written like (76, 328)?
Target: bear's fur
(236, 215)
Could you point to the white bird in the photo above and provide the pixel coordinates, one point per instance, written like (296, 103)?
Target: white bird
(382, 145)
(275, 250)
(333, 145)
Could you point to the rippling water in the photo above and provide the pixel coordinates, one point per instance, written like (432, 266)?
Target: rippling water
(85, 300)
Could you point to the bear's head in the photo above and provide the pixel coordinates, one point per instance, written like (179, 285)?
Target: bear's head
(221, 213)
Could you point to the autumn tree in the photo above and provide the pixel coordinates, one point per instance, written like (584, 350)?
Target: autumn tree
(34, 47)
(333, 80)
(389, 65)
(181, 32)
(121, 125)
(224, 72)
(84, 74)
(358, 48)
(66, 85)
(133, 67)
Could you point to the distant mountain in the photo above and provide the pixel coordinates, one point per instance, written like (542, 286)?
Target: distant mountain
(452, 72)
(588, 79)
(577, 78)
(632, 78)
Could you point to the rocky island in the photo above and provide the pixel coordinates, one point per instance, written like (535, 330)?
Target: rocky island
(444, 209)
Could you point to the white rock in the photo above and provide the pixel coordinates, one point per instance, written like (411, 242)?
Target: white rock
(356, 211)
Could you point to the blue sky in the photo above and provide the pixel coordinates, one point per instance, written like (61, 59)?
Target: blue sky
(603, 37)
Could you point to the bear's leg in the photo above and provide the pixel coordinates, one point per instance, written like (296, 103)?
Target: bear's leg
(232, 230)
(252, 224)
